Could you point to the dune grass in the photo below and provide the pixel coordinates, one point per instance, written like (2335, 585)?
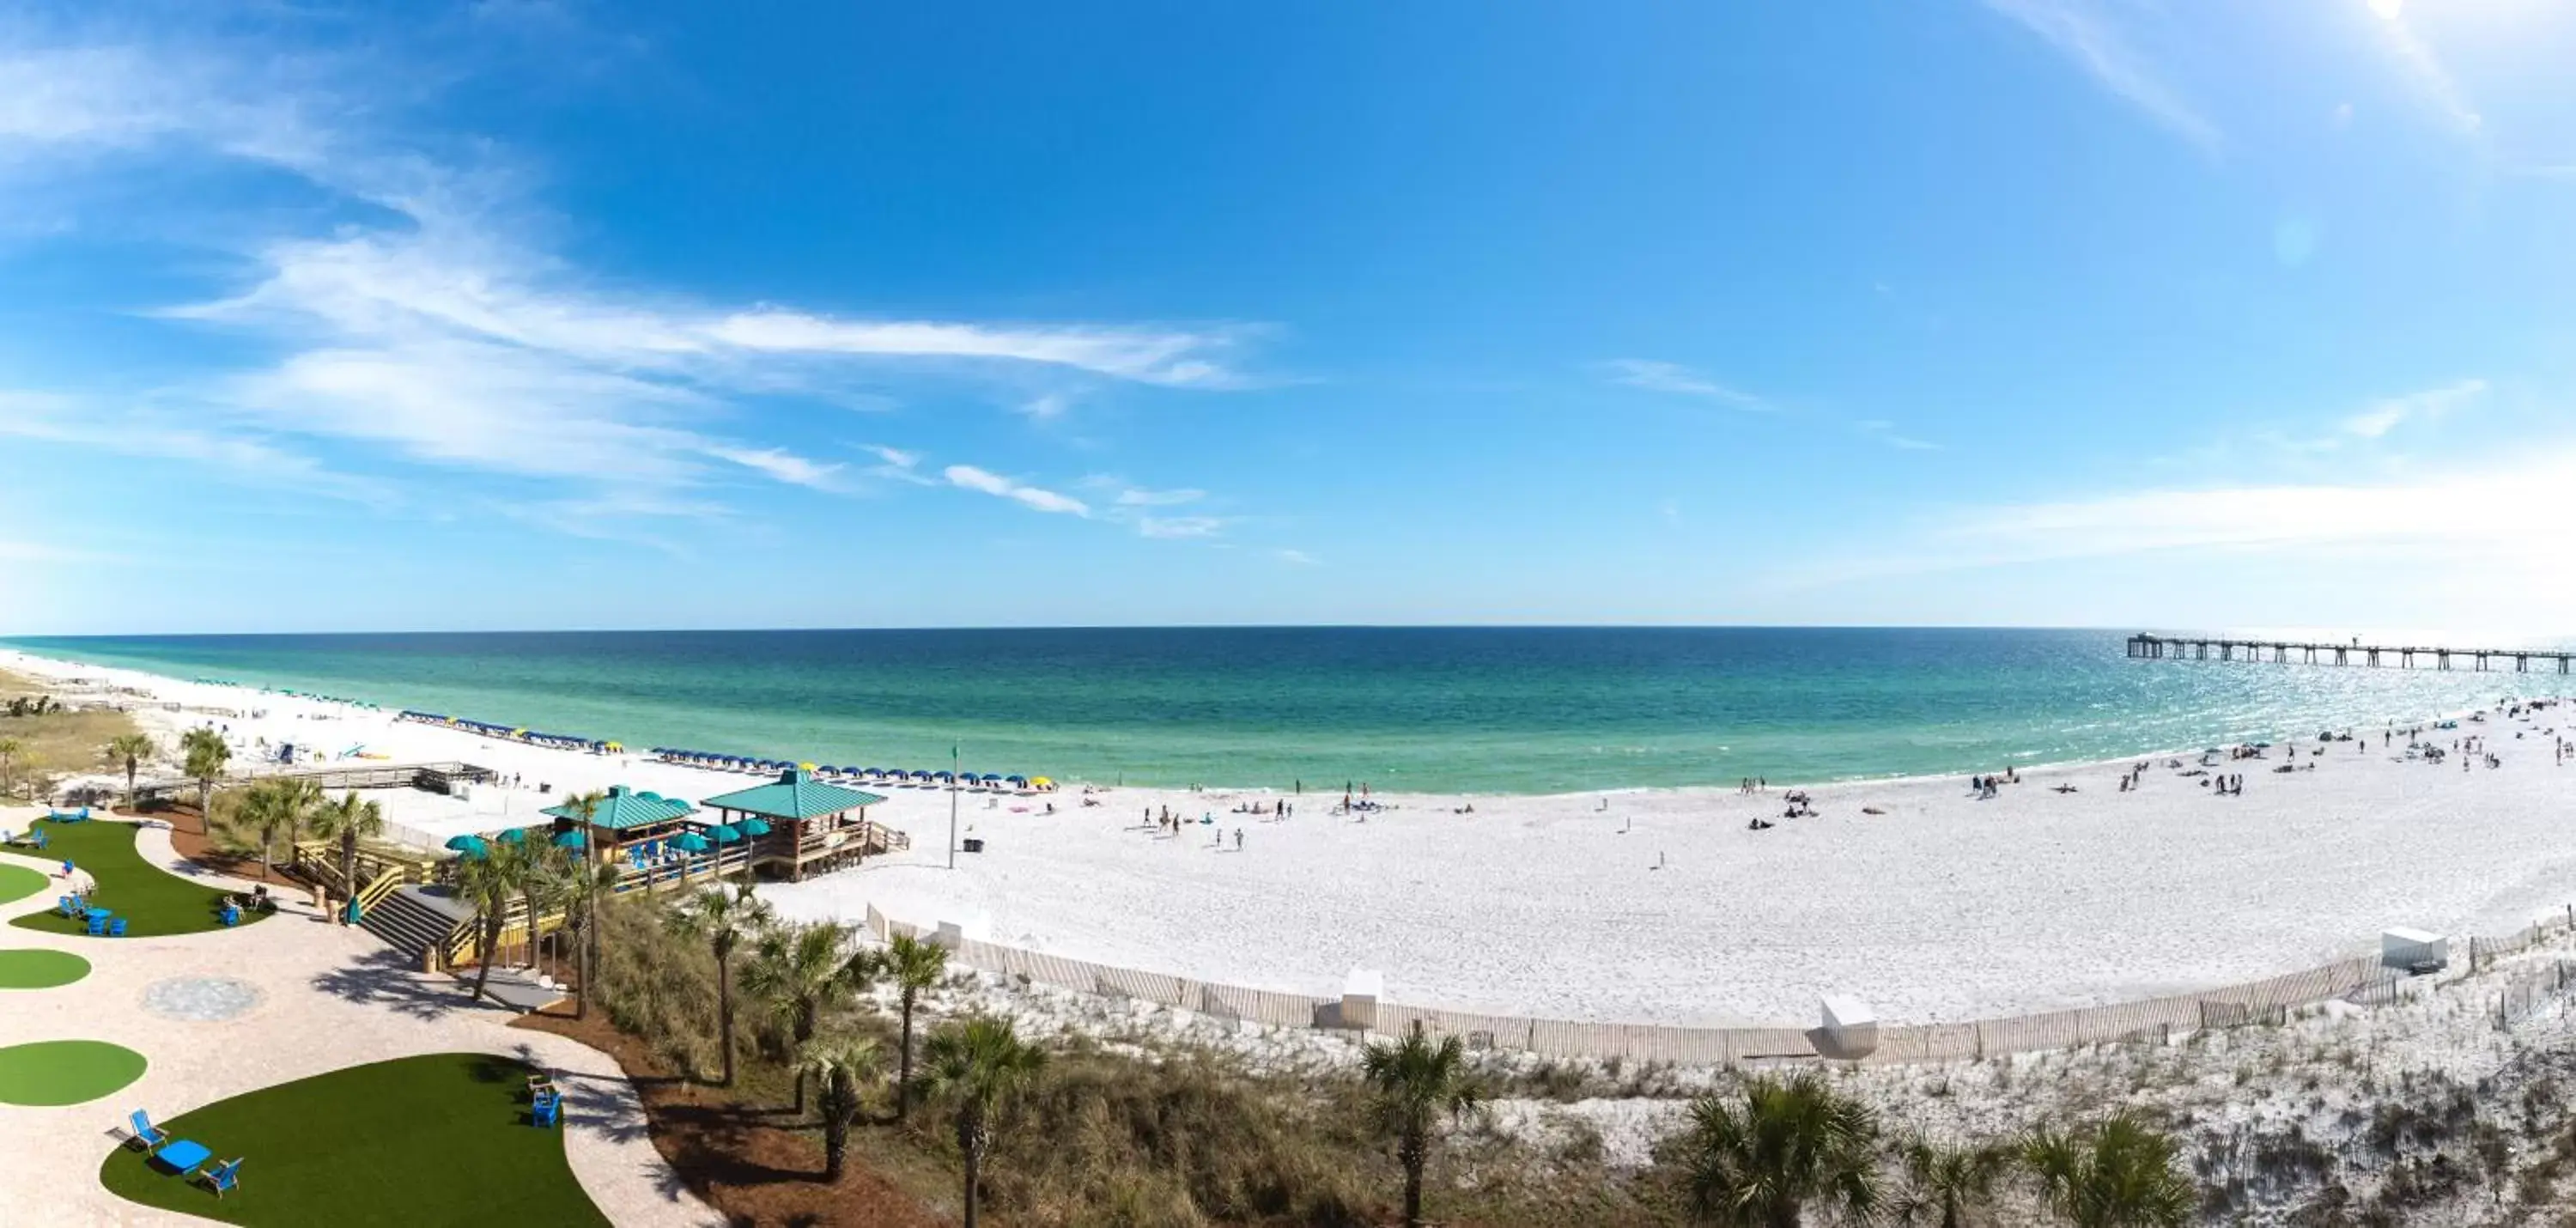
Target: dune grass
(153, 901)
(441, 1139)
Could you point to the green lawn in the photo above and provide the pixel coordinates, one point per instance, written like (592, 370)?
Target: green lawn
(57, 1072)
(152, 900)
(19, 882)
(434, 1140)
(33, 969)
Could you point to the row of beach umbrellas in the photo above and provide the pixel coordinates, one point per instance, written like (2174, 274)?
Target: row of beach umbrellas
(696, 841)
(513, 733)
(742, 763)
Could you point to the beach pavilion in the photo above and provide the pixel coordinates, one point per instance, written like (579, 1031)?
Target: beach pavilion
(625, 825)
(799, 825)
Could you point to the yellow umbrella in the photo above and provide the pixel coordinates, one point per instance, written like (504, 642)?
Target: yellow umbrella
(1041, 782)
(805, 767)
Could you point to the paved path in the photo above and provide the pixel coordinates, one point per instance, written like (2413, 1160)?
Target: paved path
(332, 997)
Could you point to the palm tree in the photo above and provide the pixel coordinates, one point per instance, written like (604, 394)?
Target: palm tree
(801, 972)
(491, 883)
(348, 821)
(977, 1065)
(2120, 1174)
(206, 756)
(10, 749)
(128, 750)
(842, 1066)
(915, 966)
(585, 884)
(1412, 1084)
(1758, 1160)
(277, 807)
(1950, 1186)
(721, 919)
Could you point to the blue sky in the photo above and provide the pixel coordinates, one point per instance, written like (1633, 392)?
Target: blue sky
(2091, 312)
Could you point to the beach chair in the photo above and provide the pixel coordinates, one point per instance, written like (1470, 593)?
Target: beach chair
(547, 1111)
(224, 1176)
(98, 927)
(144, 1132)
(67, 906)
(116, 927)
(230, 916)
(37, 839)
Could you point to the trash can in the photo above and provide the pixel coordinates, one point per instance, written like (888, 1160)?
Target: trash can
(974, 844)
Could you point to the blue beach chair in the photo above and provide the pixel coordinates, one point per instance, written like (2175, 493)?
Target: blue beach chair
(547, 1110)
(116, 927)
(98, 926)
(67, 906)
(230, 916)
(144, 1132)
(224, 1176)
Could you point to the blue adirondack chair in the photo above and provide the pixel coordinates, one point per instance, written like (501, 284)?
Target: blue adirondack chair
(144, 1132)
(547, 1111)
(224, 1176)
(230, 915)
(39, 839)
(67, 906)
(116, 927)
(98, 927)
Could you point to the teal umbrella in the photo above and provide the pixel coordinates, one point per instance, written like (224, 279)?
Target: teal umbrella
(467, 846)
(571, 840)
(514, 836)
(752, 827)
(689, 842)
(723, 833)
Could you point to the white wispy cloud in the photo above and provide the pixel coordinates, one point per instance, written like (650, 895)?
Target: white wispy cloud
(1672, 377)
(783, 465)
(2430, 404)
(1180, 526)
(968, 477)
(1885, 432)
(2085, 33)
(1134, 497)
(440, 329)
(2423, 72)
(1293, 557)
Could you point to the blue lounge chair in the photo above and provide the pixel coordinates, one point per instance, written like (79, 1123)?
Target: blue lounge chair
(67, 906)
(98, 927)
(39, 839)
(144, 1132)
(224, 1176)
(116, 927)
(547, 1111)
(230, 915)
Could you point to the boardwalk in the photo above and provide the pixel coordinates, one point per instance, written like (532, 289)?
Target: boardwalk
(2372, 656)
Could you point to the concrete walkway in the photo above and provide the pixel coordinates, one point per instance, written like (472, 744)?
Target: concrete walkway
(330, 997)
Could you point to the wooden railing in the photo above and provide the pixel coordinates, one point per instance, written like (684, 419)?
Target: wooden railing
(467, 946)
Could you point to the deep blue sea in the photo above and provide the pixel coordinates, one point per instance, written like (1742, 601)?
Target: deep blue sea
(1510, 710)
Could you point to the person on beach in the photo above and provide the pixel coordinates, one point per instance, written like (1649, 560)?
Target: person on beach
(1238, 839)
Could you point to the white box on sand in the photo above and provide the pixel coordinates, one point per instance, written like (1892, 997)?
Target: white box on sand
(2405, 948)
(1850, 1024)
(1360, 992)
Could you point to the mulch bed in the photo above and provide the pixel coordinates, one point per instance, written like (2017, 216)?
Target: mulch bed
(751, 1162)
(188, 836)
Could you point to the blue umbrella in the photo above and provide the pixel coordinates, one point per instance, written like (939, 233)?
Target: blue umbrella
(571, 840)
(723, 833)
(515, 836)
(752, 827)
(470, 846)
(689, 842)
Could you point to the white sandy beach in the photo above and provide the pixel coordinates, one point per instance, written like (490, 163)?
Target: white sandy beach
(1660, 906)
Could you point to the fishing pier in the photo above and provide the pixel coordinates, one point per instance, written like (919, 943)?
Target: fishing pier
(2368, 656)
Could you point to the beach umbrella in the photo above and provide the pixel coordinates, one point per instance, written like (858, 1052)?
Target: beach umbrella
(1017, 780)
(806, 766)
(689, 842)
(1041, 782)
(992, 778)
(752, 827)
(469, 846)
(571, 840)
(514, 836)
(724, 833)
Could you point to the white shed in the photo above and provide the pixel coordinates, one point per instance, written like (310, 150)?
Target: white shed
(1850, 1025)
(1360, 993)
(2406, 948)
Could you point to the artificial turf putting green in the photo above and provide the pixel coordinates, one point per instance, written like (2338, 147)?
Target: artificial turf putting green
(19, 882)
(55, 1072)
(434, 1140)
(33, 969)
(152, 900)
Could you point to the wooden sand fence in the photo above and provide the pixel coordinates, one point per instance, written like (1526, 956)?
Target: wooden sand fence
(2150, 1020)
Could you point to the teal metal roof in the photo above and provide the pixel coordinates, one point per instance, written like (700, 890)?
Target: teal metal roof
(622, 808)
(795, 795)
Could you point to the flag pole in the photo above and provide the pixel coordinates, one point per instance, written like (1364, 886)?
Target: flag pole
(952, 805)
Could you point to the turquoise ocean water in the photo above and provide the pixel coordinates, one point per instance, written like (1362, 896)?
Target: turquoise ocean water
(1506, 710)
